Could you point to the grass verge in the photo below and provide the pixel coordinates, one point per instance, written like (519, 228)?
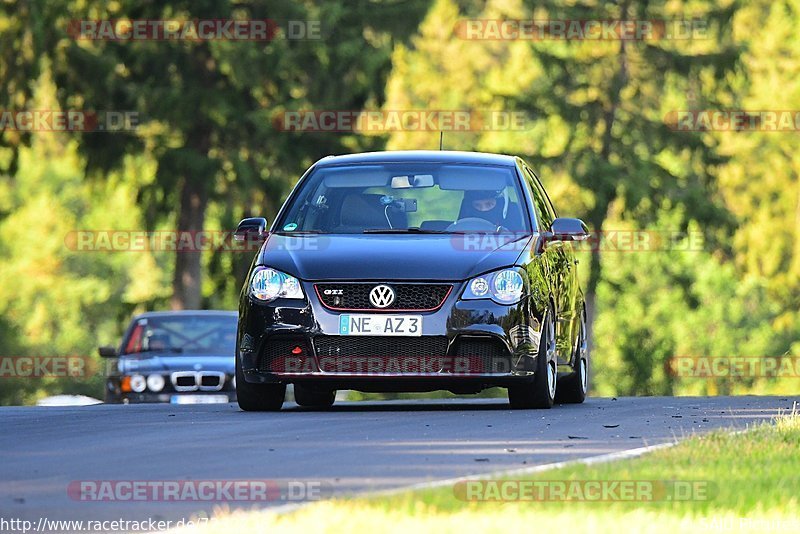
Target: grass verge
(743, 482)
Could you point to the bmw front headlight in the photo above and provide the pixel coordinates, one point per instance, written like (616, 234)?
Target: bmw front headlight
(269, 284)
(505, 286)
(155, 383)
(138, 383)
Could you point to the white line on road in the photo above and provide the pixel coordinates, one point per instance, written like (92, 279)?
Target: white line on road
(592, 460)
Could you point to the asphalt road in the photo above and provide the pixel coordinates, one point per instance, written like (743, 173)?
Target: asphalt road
(354, 447)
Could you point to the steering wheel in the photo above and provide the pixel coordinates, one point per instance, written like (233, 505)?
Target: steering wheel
(475, 224)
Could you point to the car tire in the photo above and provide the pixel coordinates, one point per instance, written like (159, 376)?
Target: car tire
(572, 389)
(258, 397)
(539, 393)
(311, 398)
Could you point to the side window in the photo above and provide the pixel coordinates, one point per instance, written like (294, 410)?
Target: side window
(550, 208)
(544, 215)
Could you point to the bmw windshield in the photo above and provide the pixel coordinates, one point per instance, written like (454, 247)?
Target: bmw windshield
(406, 198)
(183, 334)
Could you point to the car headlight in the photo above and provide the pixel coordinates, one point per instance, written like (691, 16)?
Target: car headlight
(155, 383)
(504, 287)
(138, 383)
(268, 284)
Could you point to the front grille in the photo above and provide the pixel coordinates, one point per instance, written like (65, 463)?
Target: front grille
(185, 381)
(210, 381)
(380, 354)
(355, 297)
(281, 355)
(200, 380)
(475, 355)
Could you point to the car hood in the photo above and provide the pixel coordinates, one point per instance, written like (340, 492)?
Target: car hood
(155, 362)
(391, 256)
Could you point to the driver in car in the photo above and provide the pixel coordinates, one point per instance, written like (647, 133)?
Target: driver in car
(490, 206)
(157, 341)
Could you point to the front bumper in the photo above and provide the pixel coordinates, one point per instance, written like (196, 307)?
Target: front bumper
(174, 398)
(173, 391)
(465, 346)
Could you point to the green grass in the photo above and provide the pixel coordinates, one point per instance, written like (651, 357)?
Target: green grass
(754, 476)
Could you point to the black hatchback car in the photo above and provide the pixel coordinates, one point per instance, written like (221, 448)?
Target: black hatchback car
(180, 357)
(413, 271)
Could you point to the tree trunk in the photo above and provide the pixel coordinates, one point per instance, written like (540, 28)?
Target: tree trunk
(605, 196)
(187, 280)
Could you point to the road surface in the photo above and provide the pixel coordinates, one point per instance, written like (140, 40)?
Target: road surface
(47, 452)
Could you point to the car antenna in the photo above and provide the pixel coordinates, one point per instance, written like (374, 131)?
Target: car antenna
(441, 138)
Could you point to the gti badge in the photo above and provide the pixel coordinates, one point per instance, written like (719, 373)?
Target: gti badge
(381, 296)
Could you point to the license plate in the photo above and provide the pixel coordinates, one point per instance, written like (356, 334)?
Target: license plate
(198, 399)
(380, 325)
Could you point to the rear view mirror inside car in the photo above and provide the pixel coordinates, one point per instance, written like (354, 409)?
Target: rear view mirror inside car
(407, 182)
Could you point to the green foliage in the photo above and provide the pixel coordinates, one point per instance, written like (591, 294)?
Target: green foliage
(60, 300)
(207, 152)
(598, 136)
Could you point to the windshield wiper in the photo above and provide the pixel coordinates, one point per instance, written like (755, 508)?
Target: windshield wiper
(176, 350)
(411, 230)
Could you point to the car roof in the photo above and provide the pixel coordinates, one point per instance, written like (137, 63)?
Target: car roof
(420, 156)
(186, 313)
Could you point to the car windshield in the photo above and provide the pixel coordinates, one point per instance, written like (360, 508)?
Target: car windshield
(405, 198)
(183, 334)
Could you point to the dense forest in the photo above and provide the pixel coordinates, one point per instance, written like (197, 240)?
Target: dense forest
(206, 146)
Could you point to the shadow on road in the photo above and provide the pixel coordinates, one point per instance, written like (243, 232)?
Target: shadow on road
(428, 405)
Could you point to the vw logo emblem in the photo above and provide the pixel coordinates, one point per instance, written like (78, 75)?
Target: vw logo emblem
(381, 296)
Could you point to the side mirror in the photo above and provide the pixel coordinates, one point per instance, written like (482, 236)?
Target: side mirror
(107, 352)
(250, 228)
(567, 229)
